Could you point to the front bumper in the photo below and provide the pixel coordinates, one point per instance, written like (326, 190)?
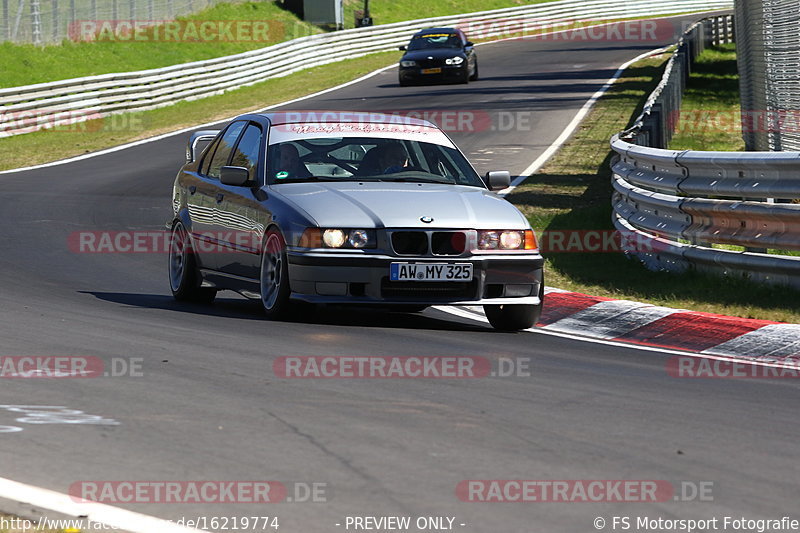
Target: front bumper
(364, 279)
(449, 72)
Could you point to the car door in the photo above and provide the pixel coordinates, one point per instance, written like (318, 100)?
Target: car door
(204, 199)
(241, 218)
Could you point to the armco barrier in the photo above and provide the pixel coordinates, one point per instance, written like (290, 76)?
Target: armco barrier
(688, 201)
(28, 108)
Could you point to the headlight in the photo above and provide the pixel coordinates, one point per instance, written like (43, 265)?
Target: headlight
(333, 238)
(358, 238)
(408, 63)
(506, 240)
(454, 61)
(338, 238)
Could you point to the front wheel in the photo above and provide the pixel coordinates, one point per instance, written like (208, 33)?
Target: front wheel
(474, 76)
(515, 317)
(184, 279)
(274, 276)
(512, 317)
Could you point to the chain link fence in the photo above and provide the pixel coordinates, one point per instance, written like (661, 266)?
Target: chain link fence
(768, 35)
(52, 21)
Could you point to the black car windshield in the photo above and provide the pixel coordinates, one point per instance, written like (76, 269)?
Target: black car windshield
(368, 159)
(434, 40)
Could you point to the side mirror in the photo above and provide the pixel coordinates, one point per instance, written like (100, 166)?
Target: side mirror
(234, 176)
(469, 44)
(497, 180)
(402, 48)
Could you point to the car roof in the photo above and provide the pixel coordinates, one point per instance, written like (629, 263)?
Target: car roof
(341, 117)
(436, 30)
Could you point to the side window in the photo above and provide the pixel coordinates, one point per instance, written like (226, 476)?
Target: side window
(208, 156)
(223, 150)
(246, 153)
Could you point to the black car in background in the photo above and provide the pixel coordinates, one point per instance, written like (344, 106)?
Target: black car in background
(438, 54)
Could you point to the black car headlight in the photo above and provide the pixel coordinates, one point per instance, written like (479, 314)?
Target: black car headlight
(407, 63)
(337, 238)
(454, 61)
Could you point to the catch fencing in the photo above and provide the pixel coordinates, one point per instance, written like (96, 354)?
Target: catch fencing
(28, 108)
(51, 21)
(734, 213)
(769, 67)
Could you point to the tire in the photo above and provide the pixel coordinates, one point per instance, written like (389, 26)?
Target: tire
(474, 76)
(184, 279)
(403, 83)
(465, 77)
(274, 276)
(515, 317)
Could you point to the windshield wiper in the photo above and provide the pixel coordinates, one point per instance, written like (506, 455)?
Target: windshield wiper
(301, 180)
(419, 180)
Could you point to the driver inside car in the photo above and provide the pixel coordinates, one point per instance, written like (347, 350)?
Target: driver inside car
(393, 158)
(289, 162)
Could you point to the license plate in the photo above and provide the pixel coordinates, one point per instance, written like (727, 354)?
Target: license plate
(430, 272)
(432, 70)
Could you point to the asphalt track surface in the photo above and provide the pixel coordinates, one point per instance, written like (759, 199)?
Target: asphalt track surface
(210, 408)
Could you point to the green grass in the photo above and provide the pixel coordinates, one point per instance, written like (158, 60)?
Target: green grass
(710, 118)
(28, 64)
(573, 192)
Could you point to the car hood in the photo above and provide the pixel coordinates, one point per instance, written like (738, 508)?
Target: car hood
(401, 205)
(435, 53)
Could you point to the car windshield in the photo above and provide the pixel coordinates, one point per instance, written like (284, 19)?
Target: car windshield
(434, 40)
(368, 159)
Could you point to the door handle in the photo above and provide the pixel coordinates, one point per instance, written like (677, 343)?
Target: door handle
(192, 189)
(220, 197)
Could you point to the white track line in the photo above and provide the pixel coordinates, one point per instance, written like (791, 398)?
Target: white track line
(576, 121)
(89, 511)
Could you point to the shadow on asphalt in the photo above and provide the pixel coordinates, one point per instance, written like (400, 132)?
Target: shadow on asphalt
(330, 315)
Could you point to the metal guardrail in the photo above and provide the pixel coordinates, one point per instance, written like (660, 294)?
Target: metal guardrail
(32, 107)
(684, 202)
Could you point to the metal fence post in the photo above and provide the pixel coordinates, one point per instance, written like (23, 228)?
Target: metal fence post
(56, 19)
(36, 22)
(6, 21)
